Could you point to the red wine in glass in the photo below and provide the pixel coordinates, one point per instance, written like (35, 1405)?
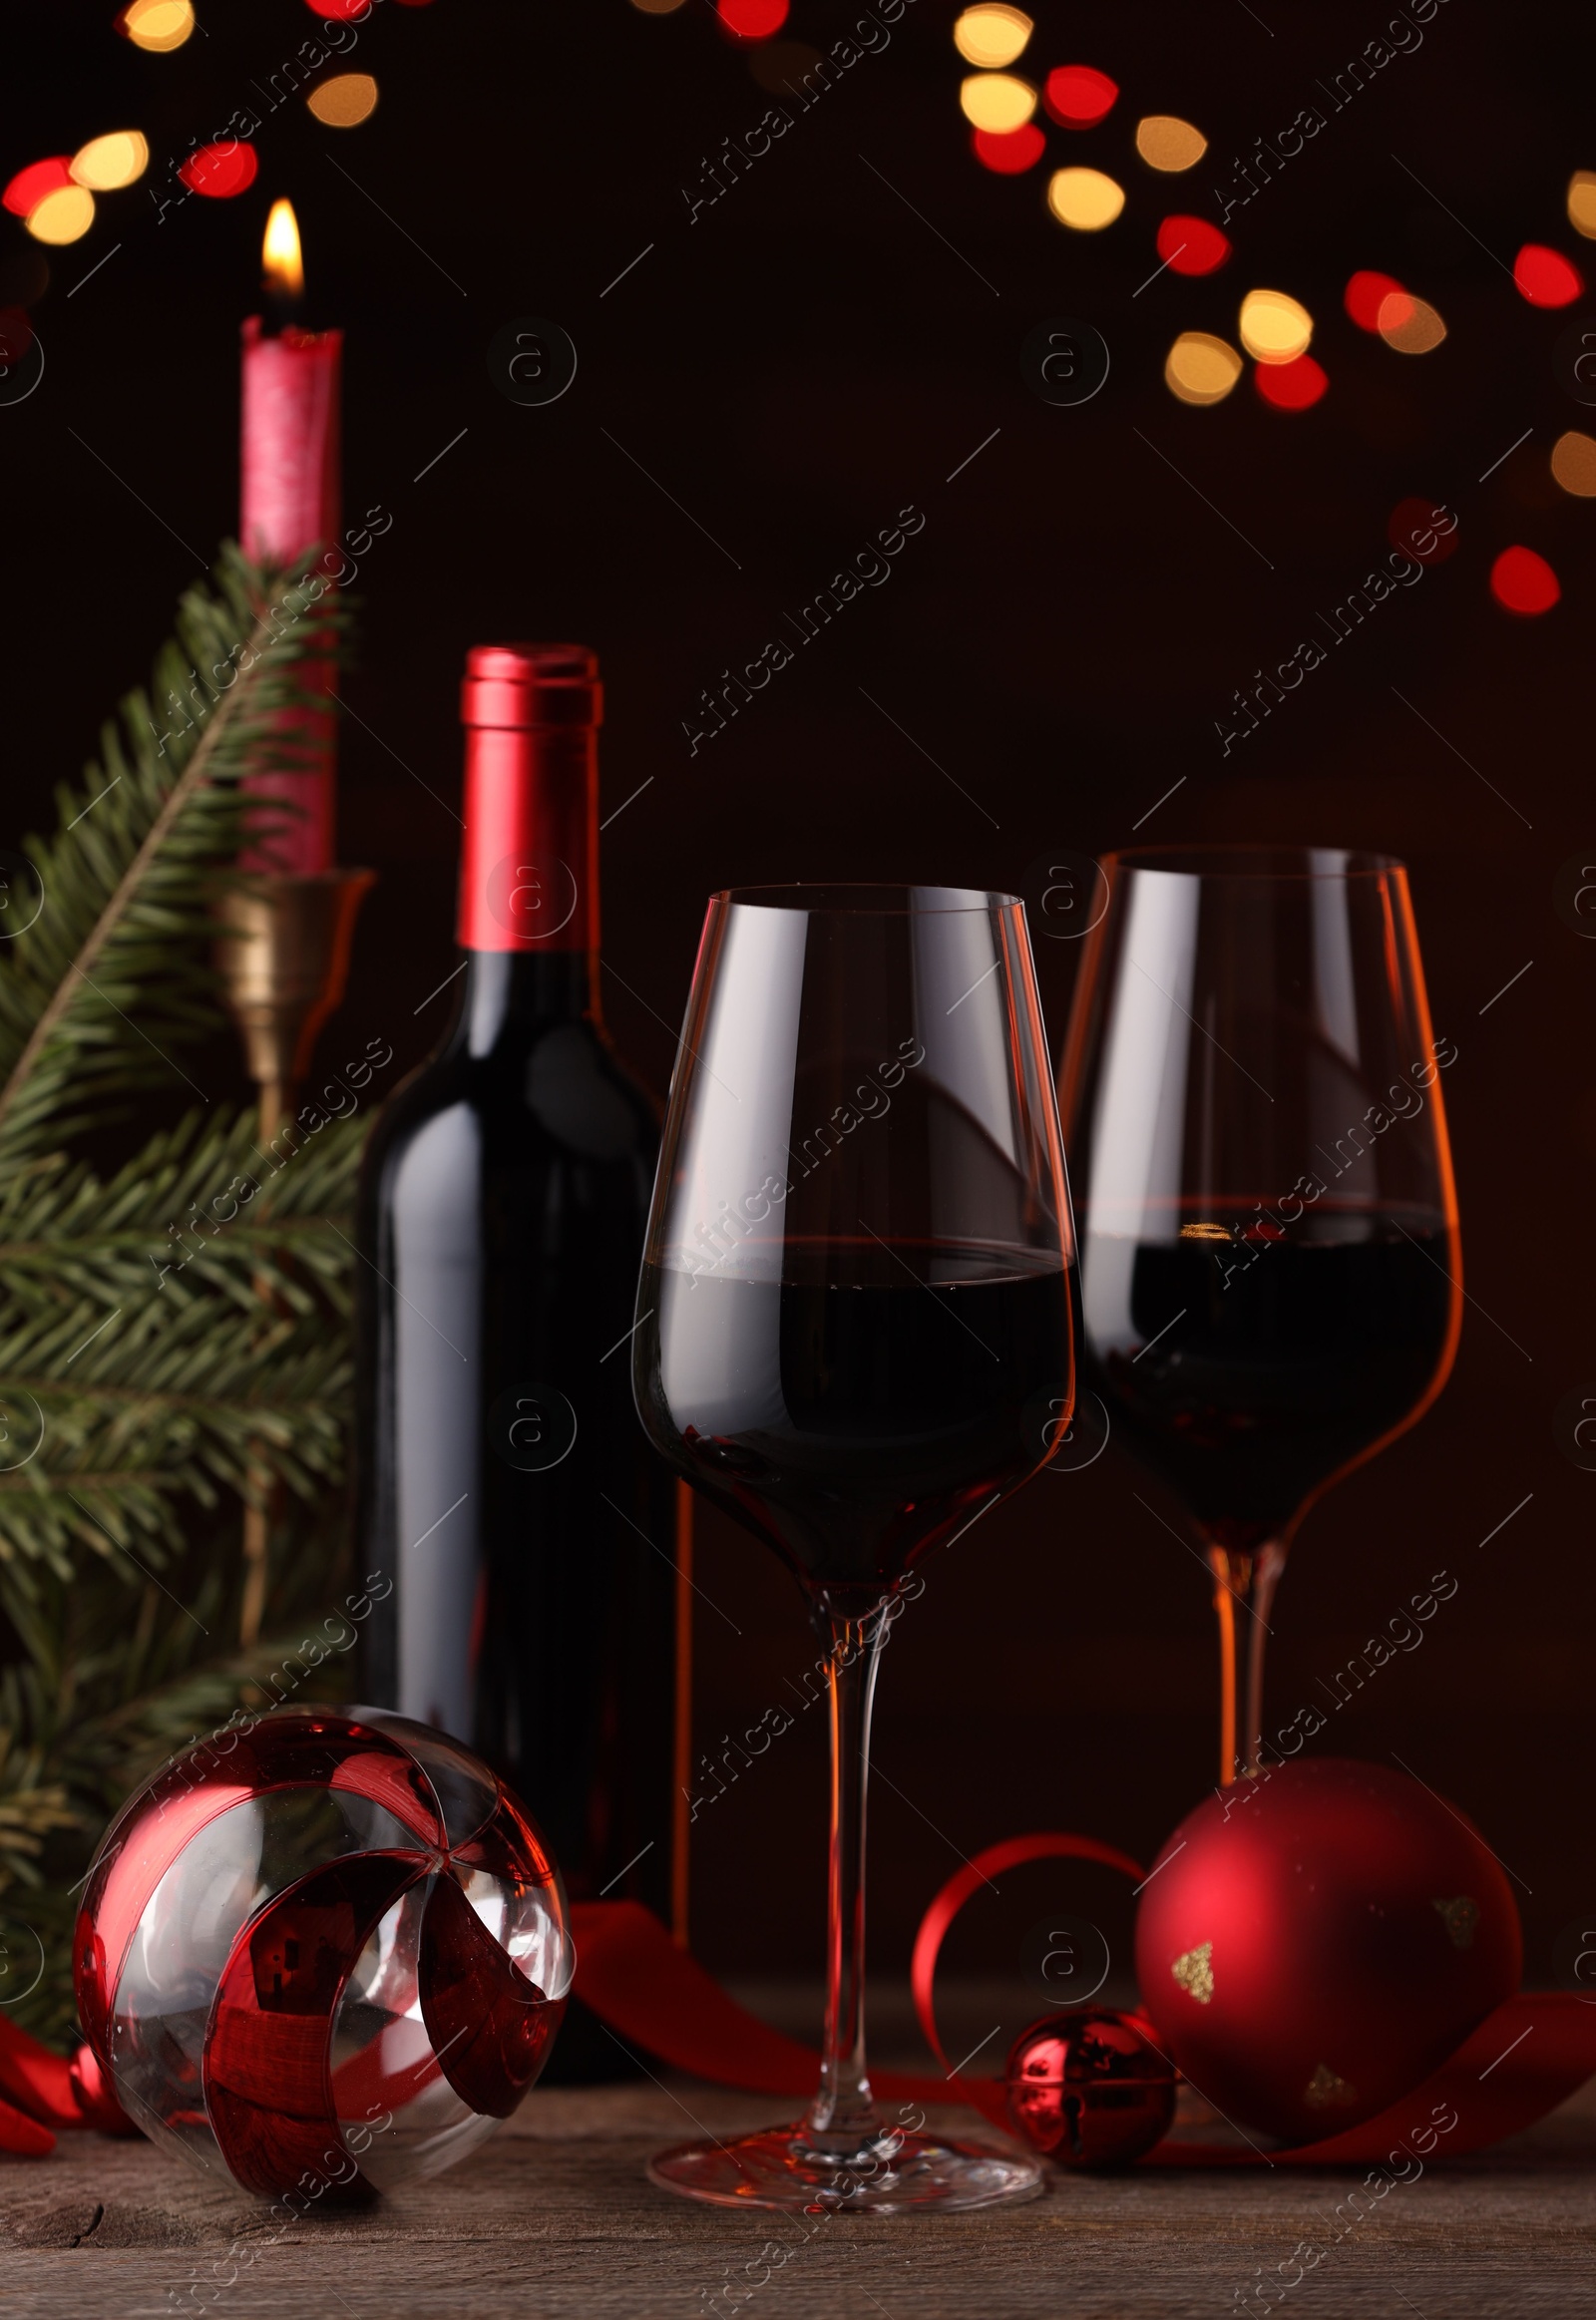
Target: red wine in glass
(1270, 1281)
(853, 1335)
(866, 1417)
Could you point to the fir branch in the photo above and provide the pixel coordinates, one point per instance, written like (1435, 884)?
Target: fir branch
(179, 1329)
(122, 898)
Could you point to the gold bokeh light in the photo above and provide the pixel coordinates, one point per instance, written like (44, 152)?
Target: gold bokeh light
(1409, 325)
(1200, 368)
(281, 266)
(1574, 464)
(61, 217)
(344, 100)
(159, 25)
(1582, 202)
(1084, 199)
(996, 100)
(1275, 328)
(1168, 144)
(991, 35)
(105, 163)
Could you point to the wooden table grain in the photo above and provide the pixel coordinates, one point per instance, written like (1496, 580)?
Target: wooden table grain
(554, 2217)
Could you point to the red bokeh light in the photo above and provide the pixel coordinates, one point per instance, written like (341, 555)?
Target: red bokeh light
(1291, 386)
(751, 19)
(1415, 522)
(345, 11)
(30, 186)
(1545, 277)
(1524, 582)
(1080, 96)
(1191, 246)
(220, 170)
(1009, 151)
(1365, 295)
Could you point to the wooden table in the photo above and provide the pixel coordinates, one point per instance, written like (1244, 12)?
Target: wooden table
(555, 2218)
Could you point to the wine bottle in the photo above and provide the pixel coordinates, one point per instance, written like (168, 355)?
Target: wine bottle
(505, 1485)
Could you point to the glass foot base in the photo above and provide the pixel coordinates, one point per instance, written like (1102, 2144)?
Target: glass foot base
(780, 2167)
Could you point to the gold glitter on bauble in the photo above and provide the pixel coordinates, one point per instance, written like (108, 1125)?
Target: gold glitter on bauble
(1325, 2089)
(1194, 1971)
(1459, 1918)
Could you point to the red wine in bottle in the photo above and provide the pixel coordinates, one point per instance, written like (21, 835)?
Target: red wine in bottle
(504, 1482)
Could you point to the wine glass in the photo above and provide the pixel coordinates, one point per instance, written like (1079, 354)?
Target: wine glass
(1270, 1278)
(853, 1334)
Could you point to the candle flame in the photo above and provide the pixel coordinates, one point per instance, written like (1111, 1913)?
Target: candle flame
(280, 263)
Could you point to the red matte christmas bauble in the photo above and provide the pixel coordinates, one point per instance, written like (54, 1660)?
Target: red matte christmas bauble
(1087, 2090)
(1312, 1942)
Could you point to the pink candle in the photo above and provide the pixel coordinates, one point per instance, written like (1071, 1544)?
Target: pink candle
(288, 500)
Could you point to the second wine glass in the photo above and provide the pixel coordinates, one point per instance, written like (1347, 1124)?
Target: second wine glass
(853, 1334)
(1271, 1285)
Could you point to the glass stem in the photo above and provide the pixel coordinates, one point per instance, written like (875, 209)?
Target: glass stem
(843, 2119)
(1244, 1590)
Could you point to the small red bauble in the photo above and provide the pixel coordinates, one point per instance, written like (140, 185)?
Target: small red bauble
(1088, 2090)
(1311, 1943)
(327, 1950)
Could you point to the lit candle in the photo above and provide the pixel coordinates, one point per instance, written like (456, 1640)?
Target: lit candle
(289, 501)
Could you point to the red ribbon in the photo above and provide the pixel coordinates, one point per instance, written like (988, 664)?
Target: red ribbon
(987, 2095)
(655, 1996)
(1523, 2060)
(40, 2091)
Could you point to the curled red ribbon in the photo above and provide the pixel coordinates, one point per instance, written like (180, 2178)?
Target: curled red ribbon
(1527, 2055)
(1522, 2061)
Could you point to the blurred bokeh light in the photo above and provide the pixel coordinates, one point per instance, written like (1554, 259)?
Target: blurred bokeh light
(1084, 199)
(1574, 464)
(1009, 151)
(1200, 368)
(1545, 277)
(1078, 95)
(1170, 143)
(751, 19)
(1291, 386)
(1582, 202)
(1365, 293)
(28, 187)
(999, 102)
(1191, 246)
(1423, 530)
(160, 25)
(992, 36)
(1274, 326)
(1524, 582)
(61, 217)
(220, 170)
(105, 163)
(1409, 325)
(344, 100)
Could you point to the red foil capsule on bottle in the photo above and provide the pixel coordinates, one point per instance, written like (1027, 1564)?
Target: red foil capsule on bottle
(532, 714)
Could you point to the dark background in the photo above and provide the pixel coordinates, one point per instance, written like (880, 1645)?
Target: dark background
(805, 359)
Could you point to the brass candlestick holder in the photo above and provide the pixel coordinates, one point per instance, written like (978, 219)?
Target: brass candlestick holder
(284, 957)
